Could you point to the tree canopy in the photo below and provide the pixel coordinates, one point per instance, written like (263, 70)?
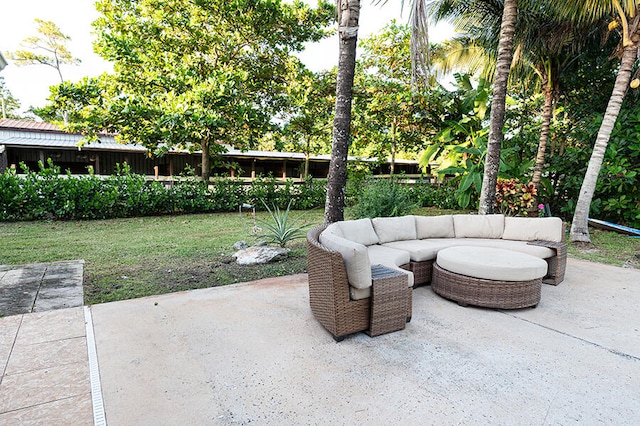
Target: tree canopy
(197, 75)
(48, 47)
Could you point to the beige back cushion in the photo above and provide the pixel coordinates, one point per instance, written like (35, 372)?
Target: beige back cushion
(478, 226)
(359, 231)
(394, 228)
(533, 228)
(333, 229)
(355, 256)
(434, 227)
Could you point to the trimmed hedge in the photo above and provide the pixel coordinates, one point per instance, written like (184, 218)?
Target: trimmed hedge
(46, 194)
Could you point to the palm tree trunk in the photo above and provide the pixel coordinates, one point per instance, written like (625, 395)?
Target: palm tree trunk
(349, 11)
(580, 224)
(547, 113)
(503, 65)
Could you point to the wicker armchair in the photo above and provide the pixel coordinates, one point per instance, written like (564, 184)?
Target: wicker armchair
(329, 293)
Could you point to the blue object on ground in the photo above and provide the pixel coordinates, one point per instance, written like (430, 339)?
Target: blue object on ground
(609, 226)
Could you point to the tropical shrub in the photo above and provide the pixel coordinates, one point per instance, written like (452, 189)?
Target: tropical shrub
(441, 195)
(514, 198)
(383, 198)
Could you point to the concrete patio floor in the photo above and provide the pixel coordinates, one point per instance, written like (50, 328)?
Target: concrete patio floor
(253, 354)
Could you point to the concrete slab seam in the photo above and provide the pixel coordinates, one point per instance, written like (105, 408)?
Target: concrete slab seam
(99, 418)
(612, 351)
(33, 305)
(13, 345)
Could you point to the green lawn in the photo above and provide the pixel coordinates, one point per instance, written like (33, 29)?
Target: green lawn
(128, 258)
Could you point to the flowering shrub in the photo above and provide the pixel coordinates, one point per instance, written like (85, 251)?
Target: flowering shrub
(514, 198)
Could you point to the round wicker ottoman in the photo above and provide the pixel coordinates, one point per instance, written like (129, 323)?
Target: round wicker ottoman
(488, 277)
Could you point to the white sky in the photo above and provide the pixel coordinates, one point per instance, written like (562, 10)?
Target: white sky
(30, 84)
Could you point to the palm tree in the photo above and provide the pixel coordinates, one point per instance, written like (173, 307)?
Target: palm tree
(545, 48)
(627, 19)
(348, 17)
(477, 11)
(496, 121)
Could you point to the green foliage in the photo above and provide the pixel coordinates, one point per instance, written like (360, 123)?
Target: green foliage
(49, 40)
(391, 116)
(384, 198)
(309, 115)
(45, 194)
(440, 195)
(469, 175)
(281, 229)
(617, 195)
(9, 104)
(189, 81)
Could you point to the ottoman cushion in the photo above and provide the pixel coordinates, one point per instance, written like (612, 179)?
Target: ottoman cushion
(491, 263)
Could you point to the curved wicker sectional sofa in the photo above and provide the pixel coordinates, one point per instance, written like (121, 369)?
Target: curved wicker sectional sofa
(340, 256)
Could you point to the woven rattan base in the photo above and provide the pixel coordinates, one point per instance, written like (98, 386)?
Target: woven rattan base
(390, 300)
(557, 264)
(486, 293)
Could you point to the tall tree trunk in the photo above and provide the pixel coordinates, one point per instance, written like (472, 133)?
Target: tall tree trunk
(547, 113)
(349, 11)
(580, 224)
(206, 161)
(307, 154)
(503, 65)
(392, 166)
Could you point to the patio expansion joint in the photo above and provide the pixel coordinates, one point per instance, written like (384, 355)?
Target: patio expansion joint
(40, 281)
(13, 345)
(612, 351)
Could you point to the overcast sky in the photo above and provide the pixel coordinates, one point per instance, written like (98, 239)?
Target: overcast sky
(30, 84)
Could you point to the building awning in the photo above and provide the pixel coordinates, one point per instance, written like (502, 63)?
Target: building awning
(70, 142)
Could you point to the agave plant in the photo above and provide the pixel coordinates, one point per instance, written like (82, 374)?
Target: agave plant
(281, 229)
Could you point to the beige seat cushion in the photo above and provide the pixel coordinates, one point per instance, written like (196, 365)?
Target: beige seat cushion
(478, 226)
(533, 228)
(419, 250)
(394, 228)
(491, 263)
(391, 258)
(519, 246)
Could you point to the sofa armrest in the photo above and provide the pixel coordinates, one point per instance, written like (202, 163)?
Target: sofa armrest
(329, 290)
(556, 264)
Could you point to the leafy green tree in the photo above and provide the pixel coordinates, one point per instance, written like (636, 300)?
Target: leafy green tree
(48, 47)
(393, 115)
(460, 146)
(307, 126)
(9, 104)
(197, 75)
(83, 102)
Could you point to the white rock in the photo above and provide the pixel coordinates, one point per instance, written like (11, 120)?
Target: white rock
(240, 245)
(257, 255)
